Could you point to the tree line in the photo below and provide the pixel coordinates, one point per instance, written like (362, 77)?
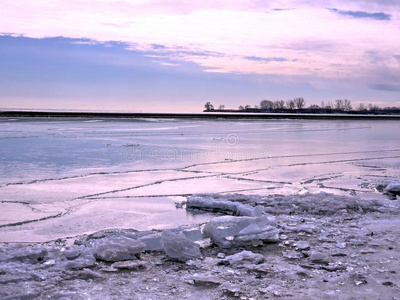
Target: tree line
(299, 105)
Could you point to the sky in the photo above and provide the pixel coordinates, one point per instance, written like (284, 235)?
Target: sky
(143, 55)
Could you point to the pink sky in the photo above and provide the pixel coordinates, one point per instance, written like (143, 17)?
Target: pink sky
(308, 41)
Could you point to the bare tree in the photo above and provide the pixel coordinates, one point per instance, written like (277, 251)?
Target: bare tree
(208, 106)
(290, 104)
(300, 103)
(221, 107)
(279, 104)
(247, 107)
(241, 107)
(339, 104)
(322, 104)
(372, 107)
(361, 107)
(347, 105)
(266, 105)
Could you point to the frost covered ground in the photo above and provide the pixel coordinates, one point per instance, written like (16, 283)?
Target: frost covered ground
(298, 247)
(258, 209)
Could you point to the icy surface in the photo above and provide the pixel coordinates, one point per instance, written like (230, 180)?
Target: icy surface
(87, 176)
(68, 185)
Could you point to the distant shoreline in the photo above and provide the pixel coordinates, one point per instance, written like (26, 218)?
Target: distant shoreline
(202, 115)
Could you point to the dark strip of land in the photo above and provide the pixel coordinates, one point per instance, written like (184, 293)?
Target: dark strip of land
(203, 115)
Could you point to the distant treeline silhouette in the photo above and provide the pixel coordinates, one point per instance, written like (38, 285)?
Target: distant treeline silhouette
(298, 105)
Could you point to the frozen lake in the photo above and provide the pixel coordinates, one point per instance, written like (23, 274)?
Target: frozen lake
(65, 177)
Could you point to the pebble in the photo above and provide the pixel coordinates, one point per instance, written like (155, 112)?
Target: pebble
(303, 245)
(205, 279)
(318, 256)
(221, 255)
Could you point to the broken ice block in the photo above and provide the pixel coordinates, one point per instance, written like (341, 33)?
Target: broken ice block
(226, 231)
(193, 234)
(244, 257)
(209, 203)
(179, 247)
(114, 249)
(152, 242)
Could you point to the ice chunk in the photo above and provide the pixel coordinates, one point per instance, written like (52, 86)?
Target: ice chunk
(393, 187)
(35, 254)
(226, 231)
(308, 204)
(205, 279)
(179, 247)
(73, 252)
(116, 248)
(244, 257)
(79, 257)
(81, 263)
(209, 203)
(318, 257)
(152, 242)
(303, 245)
(193, 234)
(390, 187)
(251, 229)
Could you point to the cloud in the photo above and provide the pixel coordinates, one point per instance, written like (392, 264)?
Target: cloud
(280, 9)
(362, 14)
(385, 87)
(265, 59)
(168, 64)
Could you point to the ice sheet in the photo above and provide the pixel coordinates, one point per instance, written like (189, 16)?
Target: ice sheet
(63, 177)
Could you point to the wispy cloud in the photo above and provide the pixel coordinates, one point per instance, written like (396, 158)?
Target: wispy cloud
(169, 64)
(362, 14)
(265, 59)
(386, 87)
